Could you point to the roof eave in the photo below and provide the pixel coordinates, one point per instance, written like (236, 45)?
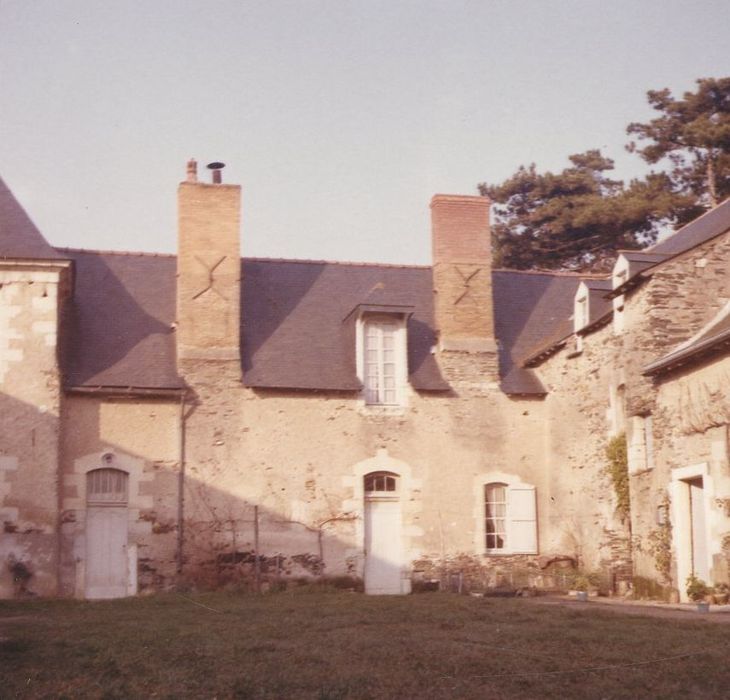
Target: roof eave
(127, 391)
(600, 322)
(683, 357)
(544, 353)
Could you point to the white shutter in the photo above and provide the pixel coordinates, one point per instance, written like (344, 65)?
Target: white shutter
(522, 520)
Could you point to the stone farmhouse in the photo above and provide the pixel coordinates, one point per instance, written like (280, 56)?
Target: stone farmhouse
(206, 419)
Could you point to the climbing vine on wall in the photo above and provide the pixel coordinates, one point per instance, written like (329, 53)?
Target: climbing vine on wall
(618, 470)
(660, 544)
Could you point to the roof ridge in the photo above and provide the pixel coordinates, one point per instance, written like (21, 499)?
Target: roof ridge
(718, 210)
(308, 261)
(555, 273)
(129, 253)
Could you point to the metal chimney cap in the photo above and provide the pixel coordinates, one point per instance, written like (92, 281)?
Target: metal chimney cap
(215, 166)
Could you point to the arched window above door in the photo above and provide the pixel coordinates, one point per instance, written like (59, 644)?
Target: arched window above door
(381, 482)
(107, 487)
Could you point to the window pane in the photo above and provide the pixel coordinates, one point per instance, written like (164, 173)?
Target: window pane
(380, 358)
(380, 482)
(495, 513)
(106, 486)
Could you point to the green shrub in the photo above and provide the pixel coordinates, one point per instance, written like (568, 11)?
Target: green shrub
(697, 589)
(618, 470)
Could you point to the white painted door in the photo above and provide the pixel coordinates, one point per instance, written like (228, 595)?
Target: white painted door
(700, 566)
(383, 547)
(106, 552)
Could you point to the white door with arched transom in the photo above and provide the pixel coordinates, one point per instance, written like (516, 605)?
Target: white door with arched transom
(383, 535)
(107, 571)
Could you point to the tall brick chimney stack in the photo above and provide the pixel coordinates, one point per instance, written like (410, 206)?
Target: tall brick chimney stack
(462, 282)
(208, 269)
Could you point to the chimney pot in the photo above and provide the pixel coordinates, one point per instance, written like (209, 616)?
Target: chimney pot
(192, 170)
(216, 167)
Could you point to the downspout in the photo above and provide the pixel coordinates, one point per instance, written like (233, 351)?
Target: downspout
(181, 489)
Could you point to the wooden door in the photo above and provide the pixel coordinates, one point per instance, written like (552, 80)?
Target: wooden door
(383, 547)
(107, 567)
(106, 552)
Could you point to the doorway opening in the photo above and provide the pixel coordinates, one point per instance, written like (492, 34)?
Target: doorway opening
(383, 534)
(107, 567)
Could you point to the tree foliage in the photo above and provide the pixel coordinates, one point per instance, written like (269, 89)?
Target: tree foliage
(578, 218)
(574, 219)
(694, 134)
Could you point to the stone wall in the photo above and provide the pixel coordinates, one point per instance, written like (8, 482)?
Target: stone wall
(297, 460)
(141, 437)
(601, 392)
(691, 434)
(583, 519)
(30, 406)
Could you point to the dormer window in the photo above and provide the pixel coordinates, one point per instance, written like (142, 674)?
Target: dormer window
(381, 361)
(581, 312)
(619, 277)
(383, 366)
(381, 353)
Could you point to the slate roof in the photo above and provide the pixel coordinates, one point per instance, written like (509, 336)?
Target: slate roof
(702, 229)
(531, 310)
(120, 332)
(713, 337)
(298, 332)
(19, 237)
(297, 325)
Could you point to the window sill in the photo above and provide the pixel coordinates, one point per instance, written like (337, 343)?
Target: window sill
(381, 410)
(641, 471)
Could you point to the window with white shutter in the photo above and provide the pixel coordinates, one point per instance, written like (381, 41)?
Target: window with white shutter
(510, 518)
(522, 520)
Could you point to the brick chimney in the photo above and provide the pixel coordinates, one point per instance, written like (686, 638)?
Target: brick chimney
(462, 279)
(208, 268)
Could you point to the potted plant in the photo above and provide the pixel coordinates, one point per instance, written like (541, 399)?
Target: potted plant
(697, 591)
(720, 594)
(581, 586)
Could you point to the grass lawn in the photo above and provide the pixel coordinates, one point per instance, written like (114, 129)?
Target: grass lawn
(310, 643)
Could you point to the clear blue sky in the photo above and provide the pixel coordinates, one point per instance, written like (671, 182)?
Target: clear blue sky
(340, 118)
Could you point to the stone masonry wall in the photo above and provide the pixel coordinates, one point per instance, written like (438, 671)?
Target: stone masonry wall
(583, 520)
(681, 296)
(690, 429)
(299, 459)
(30, 405)
(142, 435)
(602, 391)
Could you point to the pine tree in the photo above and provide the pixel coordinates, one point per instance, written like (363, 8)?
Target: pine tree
(577, 218)
(694, 134)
